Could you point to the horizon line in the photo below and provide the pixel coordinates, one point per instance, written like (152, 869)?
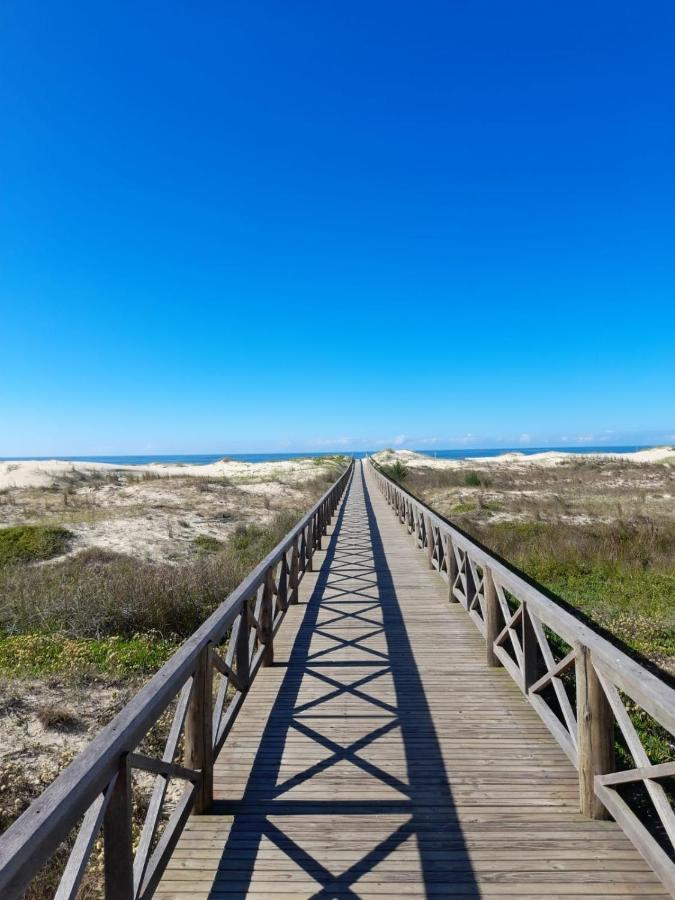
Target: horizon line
(343, 452)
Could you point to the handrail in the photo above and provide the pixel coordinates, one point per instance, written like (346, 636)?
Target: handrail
(97, 784)
(513, 616)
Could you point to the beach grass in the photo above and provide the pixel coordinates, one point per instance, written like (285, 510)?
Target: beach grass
(30, 543)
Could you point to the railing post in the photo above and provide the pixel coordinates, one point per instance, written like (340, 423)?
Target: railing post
(243, 660)
(294, 574)
(282, 586)
(266, 619)
(309, 547)
(118, 858)
(451, 564)
(595, 733)
(530, 650)
(491, 617)
(199, 730)
(429, 534)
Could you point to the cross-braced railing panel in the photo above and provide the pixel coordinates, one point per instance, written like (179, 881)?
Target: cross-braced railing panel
(644, 790)
(199, 693)
(585, 690)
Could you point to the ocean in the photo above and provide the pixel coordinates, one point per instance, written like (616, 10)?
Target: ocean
(204, 458)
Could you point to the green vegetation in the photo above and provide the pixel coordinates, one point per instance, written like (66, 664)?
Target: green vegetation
(251, 543)
(36, 655)
(621, 575)
(104, 620)
(397, 471)
(460, 508)
(598, 535)
(31, 543)
(108, 613)
(205, 543)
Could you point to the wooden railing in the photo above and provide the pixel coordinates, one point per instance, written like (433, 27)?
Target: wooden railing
(96, 788)
(574, 678)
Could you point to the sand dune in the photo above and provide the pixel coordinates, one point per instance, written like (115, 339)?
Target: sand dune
(547, 458)
(44, 473)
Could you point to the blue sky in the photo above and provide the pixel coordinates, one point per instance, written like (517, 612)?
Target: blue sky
(268, 226)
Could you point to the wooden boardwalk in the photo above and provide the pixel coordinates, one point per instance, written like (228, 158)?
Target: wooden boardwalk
(379, 756)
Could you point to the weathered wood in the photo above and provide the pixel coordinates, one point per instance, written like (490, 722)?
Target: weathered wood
(429, 540)
(648, 691)
(241, 656)
(659, 861)
(381, 757)
(77, 862)
(555, 671)
(595, 743)
(199, 730)
(615, 671)
(282, 586)
(117, 841)
(491, 618)
(318, 530)
(266, 620)
(451, 564)
(509, 783)
(294, 579)
(305, 552)
(31, 840)
(530, 651)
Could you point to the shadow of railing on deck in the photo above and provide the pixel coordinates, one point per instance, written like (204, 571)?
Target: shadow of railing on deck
(355, 587)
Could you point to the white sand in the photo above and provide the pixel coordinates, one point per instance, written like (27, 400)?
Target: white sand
(548, 458)
(44, 473)
(155, 518)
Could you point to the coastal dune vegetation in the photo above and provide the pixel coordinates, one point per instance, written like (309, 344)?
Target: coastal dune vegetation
(597, 530)
(104, 572)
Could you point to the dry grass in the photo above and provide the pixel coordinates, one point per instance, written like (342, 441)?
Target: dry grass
(600, 533)
(58, 717)
(114, 617)
(98, 593)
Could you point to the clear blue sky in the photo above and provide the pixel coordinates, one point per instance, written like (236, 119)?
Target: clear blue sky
(259, 226)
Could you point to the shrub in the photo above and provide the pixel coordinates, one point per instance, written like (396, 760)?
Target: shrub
(472, 479)
(464, 508)
(397, 471)
(205, 543)
(58, 717)
(38, 655)
(98, 593)
(29, 543)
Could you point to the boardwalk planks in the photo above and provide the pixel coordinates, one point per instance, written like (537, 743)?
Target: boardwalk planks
(379, 756)
(377, 753)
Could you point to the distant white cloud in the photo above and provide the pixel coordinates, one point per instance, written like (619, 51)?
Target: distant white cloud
(399, 440)
(524, 438)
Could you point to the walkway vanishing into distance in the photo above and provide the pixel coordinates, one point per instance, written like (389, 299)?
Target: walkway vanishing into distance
(379, 756)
